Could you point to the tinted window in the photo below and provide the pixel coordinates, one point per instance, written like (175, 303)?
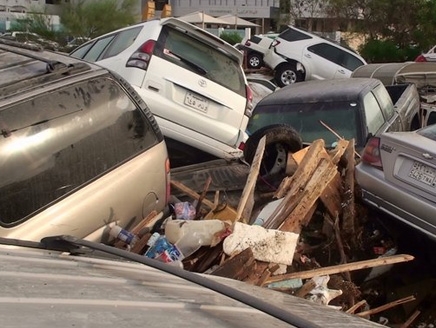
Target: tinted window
(122, 41)
(58, 142)
(342, 117)
(327, 51)
(196, 56)
(350, 62)
(373, 114)
(97, 49)
(81, 52)
(293, 35)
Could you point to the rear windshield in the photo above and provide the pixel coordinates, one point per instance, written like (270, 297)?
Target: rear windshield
(306, 118)
(196, 56)
(56, 143)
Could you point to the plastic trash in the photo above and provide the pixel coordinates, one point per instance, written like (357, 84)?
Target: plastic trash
(126, 236)
(188, 244)
(184, 211)
(202, 230)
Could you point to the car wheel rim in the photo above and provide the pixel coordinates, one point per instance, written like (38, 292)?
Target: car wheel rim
(254, 62)
(289, 77)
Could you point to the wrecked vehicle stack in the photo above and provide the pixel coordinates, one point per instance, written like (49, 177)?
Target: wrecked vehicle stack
(275, 247)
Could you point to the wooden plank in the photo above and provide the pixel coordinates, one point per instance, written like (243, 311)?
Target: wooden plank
(339, 150)
(291, 188)
(386, 306)
(307, 166)
(349, 212)
(191, 193)
(257, 273)
(385, 260)
(237, 267)
(202, 196)
(250, 185)
(331, 196)
(322, 176)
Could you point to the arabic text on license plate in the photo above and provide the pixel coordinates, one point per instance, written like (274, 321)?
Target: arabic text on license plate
(423, 173)
(196, 101)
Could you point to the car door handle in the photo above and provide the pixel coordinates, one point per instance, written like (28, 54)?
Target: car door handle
(341, 71)
(307, 56)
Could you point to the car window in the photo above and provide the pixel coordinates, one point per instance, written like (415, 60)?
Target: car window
(328, 52)
(384, 100)
(198, 57)
(82, 51)
(350, 61)
(428, 132)
(123, 40)
(373, 114)
(97, 48)
(293, 35)
(58, 142)
(342, 117)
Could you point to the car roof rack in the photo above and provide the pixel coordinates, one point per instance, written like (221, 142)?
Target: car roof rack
(52, 71)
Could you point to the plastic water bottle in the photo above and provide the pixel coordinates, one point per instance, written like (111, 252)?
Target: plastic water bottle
(188, 244)
(126, 236)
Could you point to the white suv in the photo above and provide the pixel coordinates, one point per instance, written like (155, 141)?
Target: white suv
(296, 55)
(256, 47)
(192, 81)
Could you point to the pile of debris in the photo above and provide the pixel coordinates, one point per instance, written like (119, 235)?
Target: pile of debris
(309, 240)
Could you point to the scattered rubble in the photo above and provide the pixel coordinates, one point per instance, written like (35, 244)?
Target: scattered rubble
(311, 239)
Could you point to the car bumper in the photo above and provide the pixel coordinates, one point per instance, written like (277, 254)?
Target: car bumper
(272, 60)
(398, 203)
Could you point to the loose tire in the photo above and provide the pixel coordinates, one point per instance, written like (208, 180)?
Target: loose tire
(254, 60)
(287, 74)
(280, 140)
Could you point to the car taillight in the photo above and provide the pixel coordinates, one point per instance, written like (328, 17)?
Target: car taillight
(371, 153)
(249, 104)
(141, 57)
(241, 146)
(275, 43)
(247, 43)
(420, 59)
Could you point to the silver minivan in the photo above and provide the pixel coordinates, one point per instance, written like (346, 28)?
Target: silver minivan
(79, 149)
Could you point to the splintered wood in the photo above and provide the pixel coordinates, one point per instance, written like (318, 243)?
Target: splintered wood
(317, 181)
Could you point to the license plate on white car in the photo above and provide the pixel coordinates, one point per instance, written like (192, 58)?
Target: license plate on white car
(423, 173)
(195, 101)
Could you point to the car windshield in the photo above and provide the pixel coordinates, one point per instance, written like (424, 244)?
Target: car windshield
(307, 119)
(428, 132)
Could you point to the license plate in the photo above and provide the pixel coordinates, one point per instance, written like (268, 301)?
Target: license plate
(195, 101)
(423, 173)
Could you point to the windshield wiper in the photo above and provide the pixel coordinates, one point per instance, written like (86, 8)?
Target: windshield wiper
(188, 62)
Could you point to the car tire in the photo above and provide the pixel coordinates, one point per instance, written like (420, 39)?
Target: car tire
(254, 60)
(287, 74)
(280, 140)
